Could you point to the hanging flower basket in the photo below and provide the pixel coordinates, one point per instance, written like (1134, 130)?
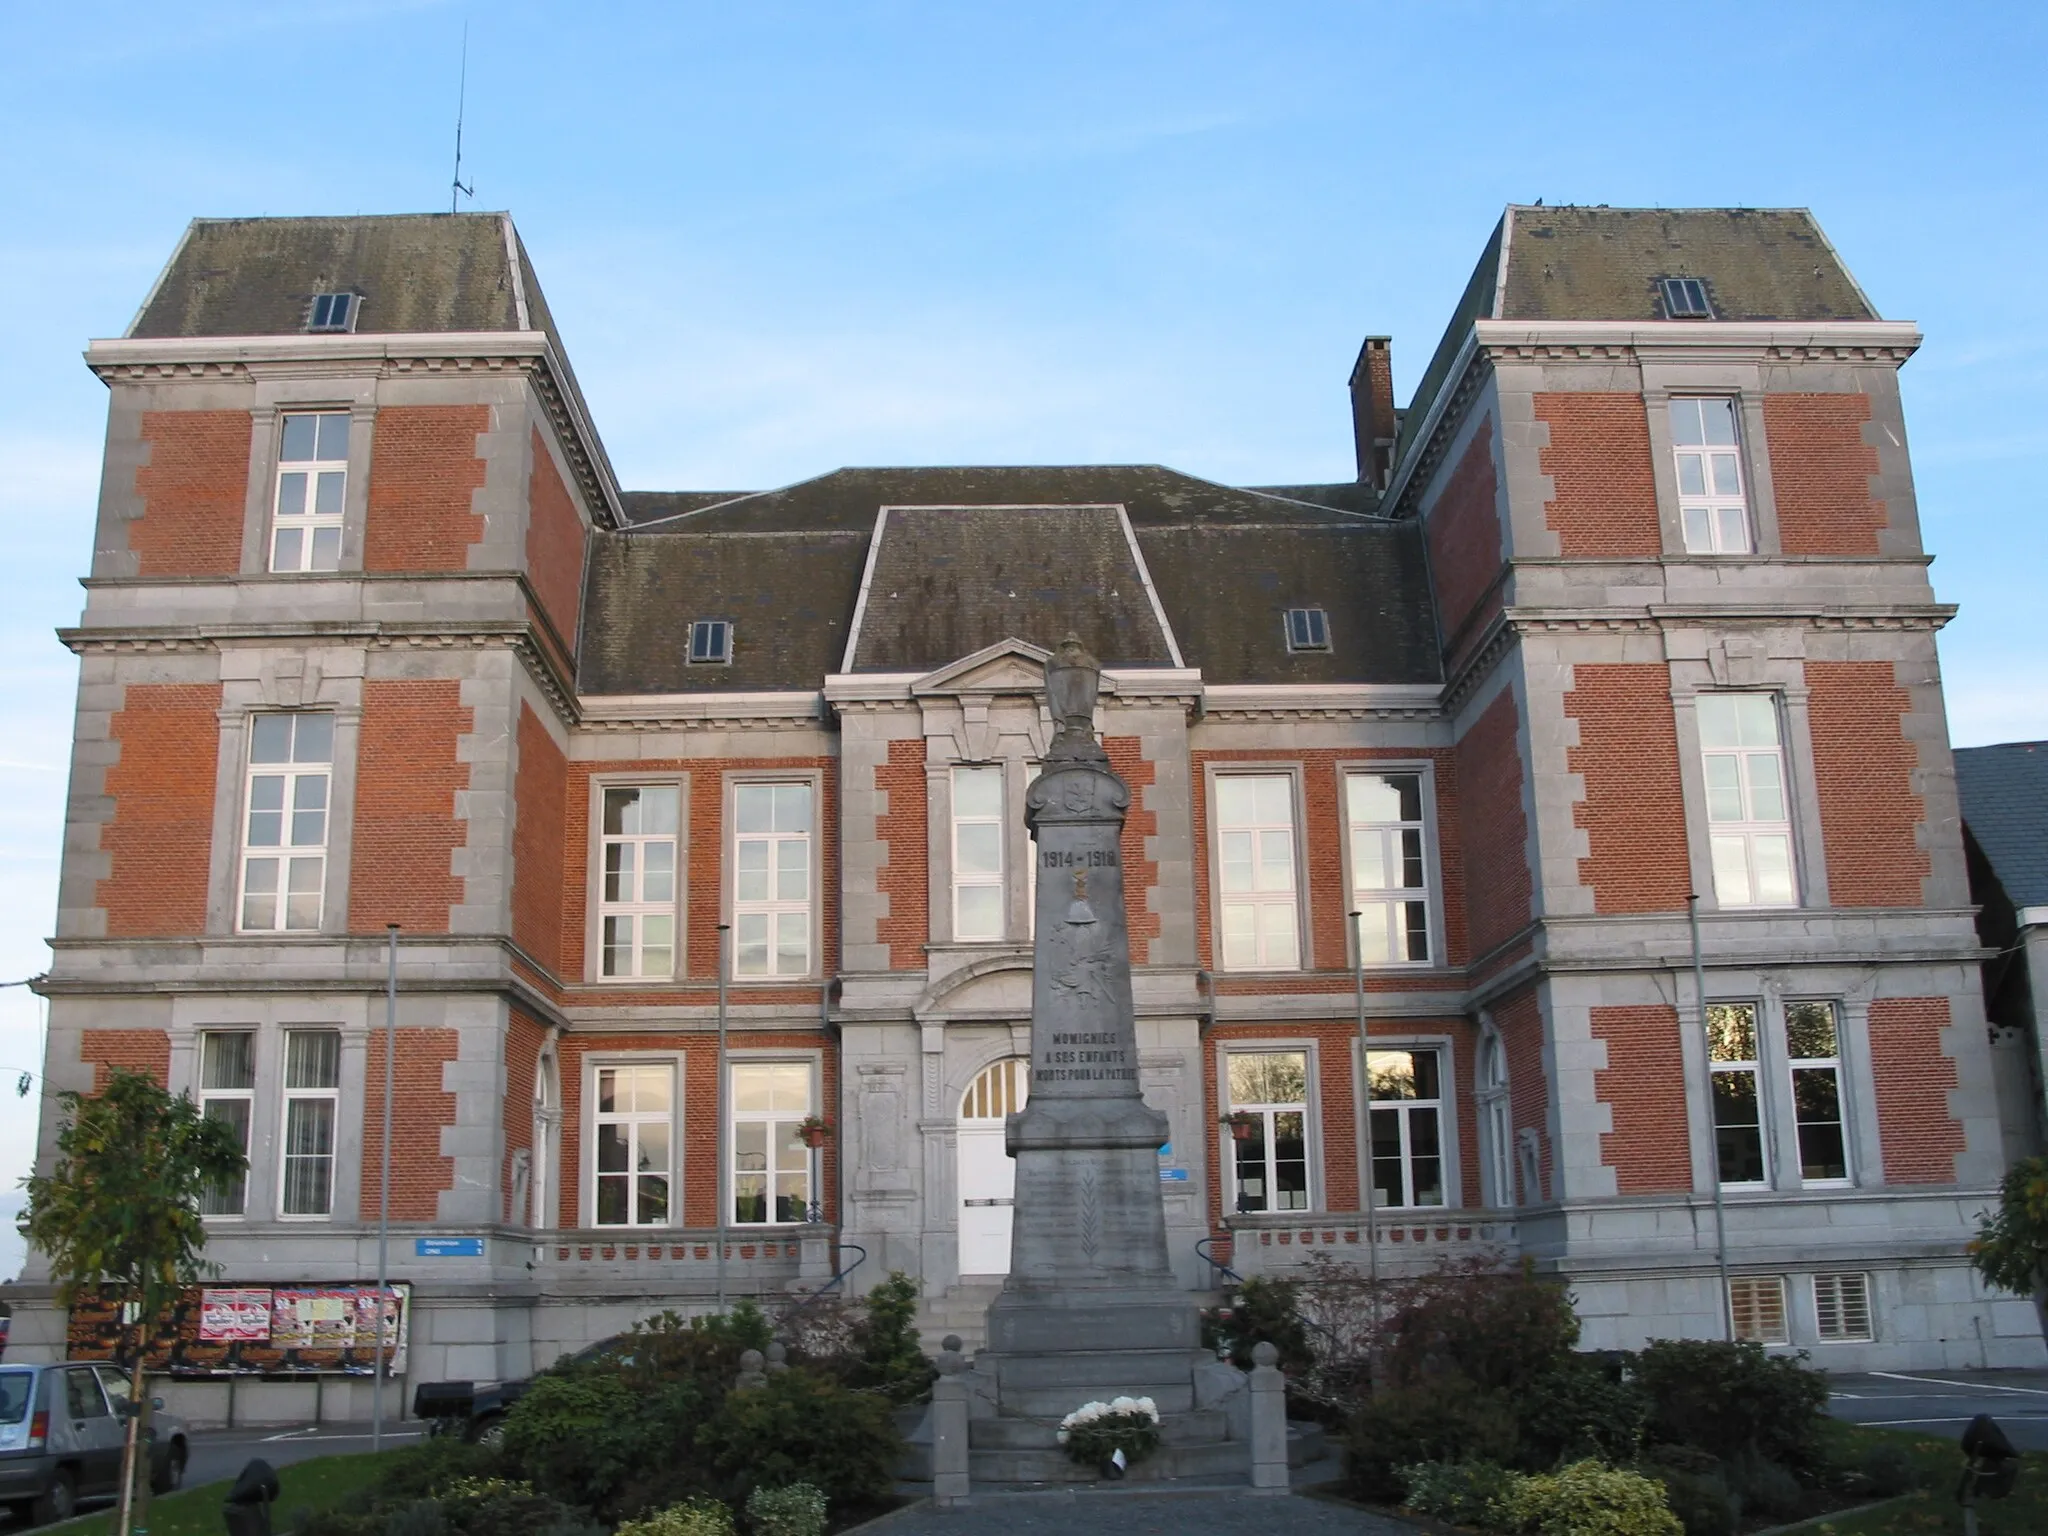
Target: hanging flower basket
(1242, 1123)
(814, 1131)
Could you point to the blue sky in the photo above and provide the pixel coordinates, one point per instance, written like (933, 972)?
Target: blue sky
(780, 238)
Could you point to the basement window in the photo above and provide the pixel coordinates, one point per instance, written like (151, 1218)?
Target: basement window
(333, 312)
(1307, 630)
(711, 642)
(1685, 298)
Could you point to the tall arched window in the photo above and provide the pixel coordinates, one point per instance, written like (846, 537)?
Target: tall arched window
(547, 1116)
(1496, 1142)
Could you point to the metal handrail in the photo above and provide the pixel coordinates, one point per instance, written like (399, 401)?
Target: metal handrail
(838, 1277)
(1202, 1252)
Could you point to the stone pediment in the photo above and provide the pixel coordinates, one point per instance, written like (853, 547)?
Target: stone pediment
(1008, 666)
(998, 986)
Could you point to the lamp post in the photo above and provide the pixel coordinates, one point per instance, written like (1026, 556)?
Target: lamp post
(384, 1182)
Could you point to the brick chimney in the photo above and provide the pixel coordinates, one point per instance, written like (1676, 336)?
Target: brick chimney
(1372, 412)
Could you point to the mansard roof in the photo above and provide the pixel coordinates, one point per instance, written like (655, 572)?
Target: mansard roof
(1574, 263)
(1154, 560)
(2004, 795)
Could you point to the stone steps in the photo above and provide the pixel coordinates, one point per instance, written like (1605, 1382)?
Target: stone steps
(960, 1309)
(1000, 1457)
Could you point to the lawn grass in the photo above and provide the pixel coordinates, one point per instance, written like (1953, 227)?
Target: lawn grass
(316, 1484)
(1933, 1510)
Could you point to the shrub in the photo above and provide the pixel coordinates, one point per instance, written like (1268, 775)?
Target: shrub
(1700, 1500)
(1263, 1311)
(495, 1507)
(580, 1436)
(797, 1510)
(693, 1517)
(804, 1428)
(1498, 1329)
(1766, 1488)
(705, 1349)
(1888, 1471)
(1732, 1399)
(887, 1355)
(423, 1470)
(1438, 1421)
(1587, 1499)
(1581, 1409)
(1464, 1492)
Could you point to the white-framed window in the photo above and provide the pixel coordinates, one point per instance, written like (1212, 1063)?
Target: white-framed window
(1707, 456)
(1258, 907)
(1389, 867)
(1739, 1142)
(312, 1090)
(771, 1165)
(635, 1126)
(1496, 1140)
(1269, 1168)
(1756, 1306)
(332, 312)
(227, 1093)
(710, 642)
(1407, 1128)
(1814, 1052)
(978, 833)
(1841, 1308)
(771, 898)
(637, 893)
(284, 833)
(312, 482)
(1749, 815)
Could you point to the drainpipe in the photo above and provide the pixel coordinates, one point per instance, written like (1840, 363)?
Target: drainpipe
(1699, 986)
(718, 1158)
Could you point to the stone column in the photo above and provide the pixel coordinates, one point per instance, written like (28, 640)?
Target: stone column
(1269, 1421)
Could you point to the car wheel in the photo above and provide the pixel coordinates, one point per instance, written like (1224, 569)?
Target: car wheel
(59, 1500)
(488, 1430)
(170, 1477)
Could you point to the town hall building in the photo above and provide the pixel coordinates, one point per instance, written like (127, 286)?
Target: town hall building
(699, 814)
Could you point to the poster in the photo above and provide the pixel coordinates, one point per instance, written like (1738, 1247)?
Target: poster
(297, 1330)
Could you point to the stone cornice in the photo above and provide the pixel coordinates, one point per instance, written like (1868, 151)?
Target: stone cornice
(398, 354)
(1333, 701)
(678, 711)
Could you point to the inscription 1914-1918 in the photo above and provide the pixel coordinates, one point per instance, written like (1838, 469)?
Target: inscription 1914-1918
(1086, 858)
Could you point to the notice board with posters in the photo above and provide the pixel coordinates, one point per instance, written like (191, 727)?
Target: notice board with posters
(256, 1330)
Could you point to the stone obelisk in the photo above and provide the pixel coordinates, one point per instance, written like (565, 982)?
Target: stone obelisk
(1091, 1294)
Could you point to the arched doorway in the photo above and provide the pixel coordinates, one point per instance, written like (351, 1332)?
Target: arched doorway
(987, 1176)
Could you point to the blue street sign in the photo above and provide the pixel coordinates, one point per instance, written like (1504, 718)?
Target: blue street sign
(448, 1247)
(1173, 1175)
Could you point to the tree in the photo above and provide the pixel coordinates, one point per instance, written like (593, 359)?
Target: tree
(2011, 1250)
(117, 1215)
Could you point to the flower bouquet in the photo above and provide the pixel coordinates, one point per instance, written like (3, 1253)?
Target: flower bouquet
(1111, 1435)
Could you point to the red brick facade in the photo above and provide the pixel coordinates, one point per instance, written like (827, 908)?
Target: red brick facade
(423, 476)
(904, 831)
(419, 1110)
(1865, 767)
(1821, 469)
(524, 1036)
(194, 491)
(1519, 1018)
(133, 1050)
(1464, 535)
(408, 773)
(1643, 1086)
(554, 544)
(1493, 827)
(1917, 1131)
(1604, 497)
(1141, 874)
(539, 852)
(1633, 813)
(159, 835)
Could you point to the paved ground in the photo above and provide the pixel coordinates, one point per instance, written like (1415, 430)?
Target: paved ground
(1943, 1402)
(1133, 1513)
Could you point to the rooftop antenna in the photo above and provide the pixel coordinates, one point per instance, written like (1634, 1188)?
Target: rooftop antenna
(456, 187)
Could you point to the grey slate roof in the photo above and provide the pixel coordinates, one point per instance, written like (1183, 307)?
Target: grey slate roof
(2004, 794)
(1572, 263)
(786, 566)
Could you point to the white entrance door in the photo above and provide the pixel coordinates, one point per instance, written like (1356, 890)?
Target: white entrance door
(987, 1176)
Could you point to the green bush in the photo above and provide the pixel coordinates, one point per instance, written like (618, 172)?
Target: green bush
(423, 1470)
(797, 1510)
(804, 1428)
(1888, 1471)
(1464, 1492)
(1262, 1311)
(886, 1353)
(693, 1517)
(1499, 1329)
(583, 1436)
(464, 1507)
(1766, 1488)
(1700, 1500)
(1581, 1409)
(1446, 1420)
(1732, 1399)
(1587, 1499)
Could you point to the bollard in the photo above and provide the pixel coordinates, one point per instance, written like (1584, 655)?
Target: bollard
(949, 1427)
(247, 1510)
(778, 1358)
(752, 1377)
(1269, 1422)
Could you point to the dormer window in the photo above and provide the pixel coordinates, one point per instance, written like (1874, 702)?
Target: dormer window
(1685, 298)
(711, 642)
(333, 312)
(1307, 630)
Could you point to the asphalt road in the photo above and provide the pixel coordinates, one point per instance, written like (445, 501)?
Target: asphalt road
(1943, 1402)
